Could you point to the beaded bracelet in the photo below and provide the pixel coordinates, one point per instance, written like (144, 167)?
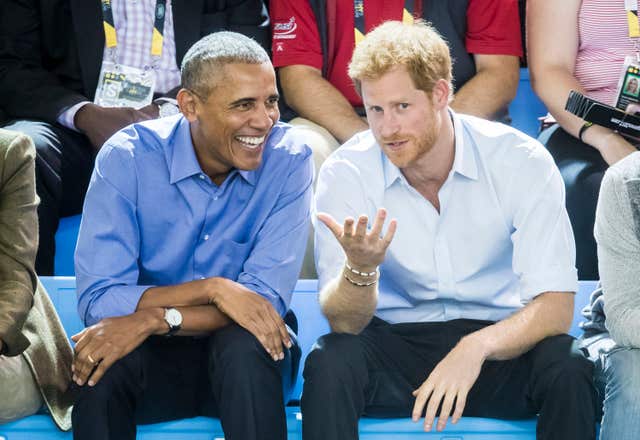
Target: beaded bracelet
(357, 272)
(355, 283)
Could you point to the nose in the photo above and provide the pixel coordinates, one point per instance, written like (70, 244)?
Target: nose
(264, 117)
(389, 125)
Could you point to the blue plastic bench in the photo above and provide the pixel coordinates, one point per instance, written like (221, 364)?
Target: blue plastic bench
(312, 325)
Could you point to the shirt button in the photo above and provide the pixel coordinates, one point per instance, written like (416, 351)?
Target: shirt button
(215, 198)
(202, 278)
(202, 176)
(206, 237)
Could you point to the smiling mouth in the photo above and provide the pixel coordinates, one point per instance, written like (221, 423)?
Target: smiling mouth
(251, 142)
(395, 145)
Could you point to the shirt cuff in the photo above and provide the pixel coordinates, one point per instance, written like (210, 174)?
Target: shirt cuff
(113, 302)
(67, 117)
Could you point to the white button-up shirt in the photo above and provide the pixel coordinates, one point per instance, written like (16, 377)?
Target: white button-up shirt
(501, 238)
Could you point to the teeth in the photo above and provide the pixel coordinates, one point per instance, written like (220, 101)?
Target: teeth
(251, 141)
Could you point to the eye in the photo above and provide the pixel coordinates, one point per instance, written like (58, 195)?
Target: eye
(375, 109)
(403, 105)
(244, 105)
(272, 102)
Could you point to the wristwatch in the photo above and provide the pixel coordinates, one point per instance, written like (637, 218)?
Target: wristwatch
(173, 318)
(167, 107)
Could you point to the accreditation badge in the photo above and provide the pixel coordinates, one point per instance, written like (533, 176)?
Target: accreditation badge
(628, 96)
(124, 86)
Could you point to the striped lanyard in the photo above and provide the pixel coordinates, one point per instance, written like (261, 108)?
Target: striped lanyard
(631, 8)
(158, 27)
(358, 17)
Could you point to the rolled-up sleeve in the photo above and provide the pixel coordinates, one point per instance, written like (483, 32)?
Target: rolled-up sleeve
(543, 243)
(106, 259)
(274, 263)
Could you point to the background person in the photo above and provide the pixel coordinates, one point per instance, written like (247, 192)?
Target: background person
(51, 56)
(579, 45)
(35, 356)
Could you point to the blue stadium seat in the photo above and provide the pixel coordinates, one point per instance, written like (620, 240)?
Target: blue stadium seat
(312, 325)
(66, 238)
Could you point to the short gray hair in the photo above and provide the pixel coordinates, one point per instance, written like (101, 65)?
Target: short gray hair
(211, 53)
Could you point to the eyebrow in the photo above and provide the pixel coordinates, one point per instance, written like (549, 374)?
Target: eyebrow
(249, 100)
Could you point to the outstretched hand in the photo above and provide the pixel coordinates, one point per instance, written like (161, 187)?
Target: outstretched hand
(364, 250)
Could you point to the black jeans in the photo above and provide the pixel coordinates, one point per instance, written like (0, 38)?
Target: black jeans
(373, 373)
(64, 162)
(227, 375)
(582, 168)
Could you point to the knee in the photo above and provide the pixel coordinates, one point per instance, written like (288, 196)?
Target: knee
(332, 357)
(233, 348)
(623, 378)
(124, 376)
(564, 364)
(39, 132)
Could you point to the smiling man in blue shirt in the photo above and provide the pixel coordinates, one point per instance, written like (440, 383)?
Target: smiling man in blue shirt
(194, 226)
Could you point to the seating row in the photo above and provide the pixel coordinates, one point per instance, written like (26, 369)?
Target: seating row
(313, 325)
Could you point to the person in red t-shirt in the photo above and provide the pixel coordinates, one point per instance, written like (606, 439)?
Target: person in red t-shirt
(321, 91)
(483, 36)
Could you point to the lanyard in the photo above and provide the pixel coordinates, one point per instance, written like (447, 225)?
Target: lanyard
(358, 17)
(631, 6)
(158, 26)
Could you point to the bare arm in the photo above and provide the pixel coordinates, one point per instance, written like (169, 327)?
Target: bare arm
(552, 43)
(491, 89)
(349, 305)
(547, 315)
(314, 98)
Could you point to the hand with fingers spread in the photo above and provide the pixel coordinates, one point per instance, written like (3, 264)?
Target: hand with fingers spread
(254, 313)
(98, 347)
(364, 250)
(449, 383)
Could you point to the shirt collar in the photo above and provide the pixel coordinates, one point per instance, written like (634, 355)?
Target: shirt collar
(464, 162)
(184, 162)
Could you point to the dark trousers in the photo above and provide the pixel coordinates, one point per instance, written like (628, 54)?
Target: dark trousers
(64, 162)
(374, 373)
(582, 168)
(227, 375)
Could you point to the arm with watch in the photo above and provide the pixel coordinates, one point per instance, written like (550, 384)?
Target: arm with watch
(553, 39)
(120, 311)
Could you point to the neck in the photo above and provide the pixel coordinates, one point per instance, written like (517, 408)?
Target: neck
(433, 167)
(216, 170)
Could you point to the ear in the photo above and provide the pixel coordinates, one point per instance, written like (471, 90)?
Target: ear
(441, 93)
(187, 103)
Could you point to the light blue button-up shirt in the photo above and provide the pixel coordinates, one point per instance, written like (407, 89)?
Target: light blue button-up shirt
(502, 235)
(153, 218)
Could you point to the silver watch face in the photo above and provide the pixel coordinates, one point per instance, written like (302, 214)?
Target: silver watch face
(173, 317)
(168, 109)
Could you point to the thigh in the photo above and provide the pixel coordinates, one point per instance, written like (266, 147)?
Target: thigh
(175, 383)
(621, 420)
(19, 393)
(399, 358)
